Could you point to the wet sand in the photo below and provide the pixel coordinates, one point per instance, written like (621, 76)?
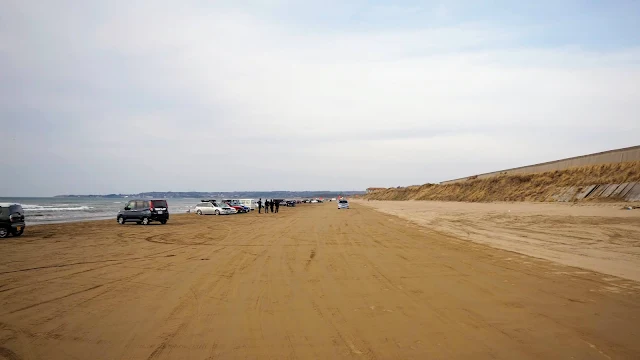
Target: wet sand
(311, 282)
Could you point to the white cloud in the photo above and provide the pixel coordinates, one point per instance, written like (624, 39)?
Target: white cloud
(172, 78)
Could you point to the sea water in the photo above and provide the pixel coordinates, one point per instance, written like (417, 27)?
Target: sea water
(67, 209)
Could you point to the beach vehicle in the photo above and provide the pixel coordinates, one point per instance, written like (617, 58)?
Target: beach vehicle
(245, 208)
(144, 211)
(343, 204)
(291, 203)
(314, 201)
(11, 219)
(204, 208)
(214, 208)
(250, 203)
(236, 205)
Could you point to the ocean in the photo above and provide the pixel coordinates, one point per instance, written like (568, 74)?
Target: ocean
(58, 210)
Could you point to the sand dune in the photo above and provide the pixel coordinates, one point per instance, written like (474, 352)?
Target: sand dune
(519, 187)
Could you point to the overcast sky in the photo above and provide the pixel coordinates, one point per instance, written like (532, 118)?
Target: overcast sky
(194, 95)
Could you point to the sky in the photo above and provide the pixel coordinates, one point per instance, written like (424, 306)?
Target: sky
(116, 96)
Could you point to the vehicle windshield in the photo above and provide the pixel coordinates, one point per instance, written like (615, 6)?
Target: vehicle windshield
(343, 201)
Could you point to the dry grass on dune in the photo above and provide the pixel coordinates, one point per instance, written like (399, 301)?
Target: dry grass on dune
(516, 187)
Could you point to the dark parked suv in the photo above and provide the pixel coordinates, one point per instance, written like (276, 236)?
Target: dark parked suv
(144, 211)
(11, 220)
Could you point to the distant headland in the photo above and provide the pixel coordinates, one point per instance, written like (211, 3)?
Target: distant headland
(228, 194)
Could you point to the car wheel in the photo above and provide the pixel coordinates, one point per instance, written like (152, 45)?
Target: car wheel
(199, 212)
(4, 232)
(121, 220)
(145, 221)
(17, 233)
(217, 212)
(163, 222)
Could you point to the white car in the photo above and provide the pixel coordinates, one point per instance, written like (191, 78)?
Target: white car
(207, 208)
(343, 204)
(251, 203)
(314, 201)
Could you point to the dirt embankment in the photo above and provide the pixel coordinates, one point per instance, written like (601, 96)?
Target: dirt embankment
(547, 186)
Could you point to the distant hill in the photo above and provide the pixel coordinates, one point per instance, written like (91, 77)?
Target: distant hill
(230, 195)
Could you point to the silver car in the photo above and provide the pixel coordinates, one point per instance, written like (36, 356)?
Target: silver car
(208, 208)
(343, 204)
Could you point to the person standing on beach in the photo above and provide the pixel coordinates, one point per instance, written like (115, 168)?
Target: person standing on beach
(266, 206)
(271, 205)
(277, 206)
(259, 205)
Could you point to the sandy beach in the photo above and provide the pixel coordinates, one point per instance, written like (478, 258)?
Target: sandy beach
(314, 282)
(601, 237)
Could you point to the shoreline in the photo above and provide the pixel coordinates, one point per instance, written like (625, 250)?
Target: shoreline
(172, 216)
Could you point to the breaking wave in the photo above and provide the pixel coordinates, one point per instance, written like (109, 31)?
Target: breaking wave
(55, 208)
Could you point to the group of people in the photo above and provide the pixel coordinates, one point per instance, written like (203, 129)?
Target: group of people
(268, 204)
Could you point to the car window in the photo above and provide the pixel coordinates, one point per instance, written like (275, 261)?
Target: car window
(131, 205)
(140, 205)
(15, 209)
(159, 203)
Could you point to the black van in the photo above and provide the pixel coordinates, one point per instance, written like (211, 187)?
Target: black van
(144, 211)
(11, 220)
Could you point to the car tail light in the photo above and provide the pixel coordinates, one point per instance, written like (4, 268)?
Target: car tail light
(151, 205)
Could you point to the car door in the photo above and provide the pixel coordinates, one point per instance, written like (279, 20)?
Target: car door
(217, 207)
(207, 209)
(144, 210)
(139, 211)
(135, 210)
(129, 210)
